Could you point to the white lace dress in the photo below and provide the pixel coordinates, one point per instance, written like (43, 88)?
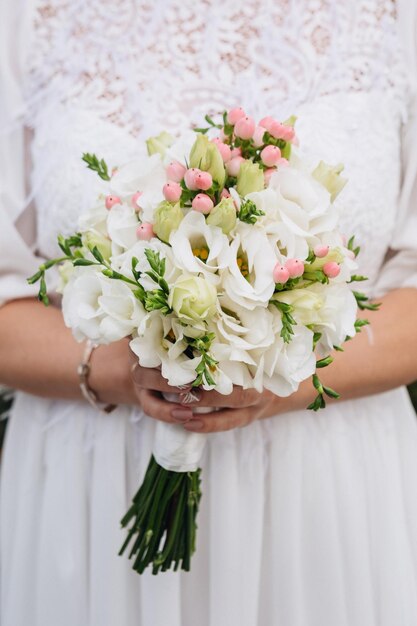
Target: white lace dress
(306, 519)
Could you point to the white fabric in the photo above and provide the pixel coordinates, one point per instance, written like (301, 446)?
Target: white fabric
(306, 520)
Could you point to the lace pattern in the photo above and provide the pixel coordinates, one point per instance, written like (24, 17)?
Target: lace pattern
(103, 74)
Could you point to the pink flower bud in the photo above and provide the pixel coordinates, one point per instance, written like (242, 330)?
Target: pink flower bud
(175, 171)
(321, 251)
(225, 193)
(268, 173)
(202, 203)
(222, 135)
(266, 122)
(203, 180)
(331, 269)
(144, 231)
(235, 115)
(233, 166)
(114, 170)
(245, 127)
(277, 130)
(295, 267)
(288, 133)
(172, 191)
(270, 155)
(283, 162)
(295, 141)
(111, 201)
(350, 254)
(224, 150)
(190, 178)
(135, 201)
(236, 152)
(258, 136)
(280, 274)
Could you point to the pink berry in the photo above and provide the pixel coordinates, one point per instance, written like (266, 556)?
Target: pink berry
(222, 135)
(258, 136)
(224, 149)
(225, 193)
(280, 274)
(270, 155)
(203, 180)
(175, 171)
(295, 267)
(277, 130)
(235, 115)
(331, 269)
(282, 162)
(144, 231)
(233, 166)
(114, 170)
(111, 201)
(236, 152)
(135, 200)
(266, 122)
(321, 251)
(190, 178)
(202, 203)
(172, 191)
(268, 173)
(245, 127)
(288, 133)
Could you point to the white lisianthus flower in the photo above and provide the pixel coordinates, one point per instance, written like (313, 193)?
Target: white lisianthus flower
(98, 308)
(94, 220)
(122, 222)
(159, 344)
(193, 299)
(145, 174)
(286, 365)
(301, 188)
(194, 236)
(243, 329)
(248, 279)
(123, 262)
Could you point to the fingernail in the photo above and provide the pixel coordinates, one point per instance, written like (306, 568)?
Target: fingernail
(182, 414)
(194, 425)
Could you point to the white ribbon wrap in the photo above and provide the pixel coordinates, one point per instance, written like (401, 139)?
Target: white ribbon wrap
(175, 448)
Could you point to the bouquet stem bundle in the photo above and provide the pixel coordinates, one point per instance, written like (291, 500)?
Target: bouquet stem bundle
(163, 513)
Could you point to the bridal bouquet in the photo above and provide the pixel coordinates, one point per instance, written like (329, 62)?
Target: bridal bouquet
(218, 253)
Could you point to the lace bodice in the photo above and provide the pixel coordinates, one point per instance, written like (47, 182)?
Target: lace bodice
(103, 74)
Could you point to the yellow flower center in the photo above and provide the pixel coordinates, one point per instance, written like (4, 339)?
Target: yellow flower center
(201, 253)
(243, 266)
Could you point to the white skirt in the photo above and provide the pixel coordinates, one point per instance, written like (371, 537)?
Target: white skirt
(306, 520)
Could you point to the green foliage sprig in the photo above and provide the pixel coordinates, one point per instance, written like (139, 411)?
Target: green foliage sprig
(97, 165)
(248, 212)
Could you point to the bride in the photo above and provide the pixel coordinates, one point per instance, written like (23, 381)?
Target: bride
(307, 519)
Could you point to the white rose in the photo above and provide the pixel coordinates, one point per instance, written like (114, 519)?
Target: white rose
(193, 298)
(99, 308)
(122, 222)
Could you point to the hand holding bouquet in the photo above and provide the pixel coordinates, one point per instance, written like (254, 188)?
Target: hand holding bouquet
(219, 255)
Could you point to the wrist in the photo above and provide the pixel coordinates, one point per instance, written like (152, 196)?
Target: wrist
(110, 376)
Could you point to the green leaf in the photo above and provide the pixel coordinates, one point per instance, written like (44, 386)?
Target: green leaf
(248, 212)
(324, 362)
(83, 262)
(331, 392)
(97, 254)
(99, 166)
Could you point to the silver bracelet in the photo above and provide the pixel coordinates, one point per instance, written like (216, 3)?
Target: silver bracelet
(83, 371)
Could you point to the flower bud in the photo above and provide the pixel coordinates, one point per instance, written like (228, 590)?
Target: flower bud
(135, 201)
(176, 171)
(202, 203)
(224, 149)
(245, 127)
(159, 144)
(203, 180)
(233, 166)
(205, 156)
(236, 152)
(111, 201)
(266, 122)
(295, 267)
(268, 173)
(92, 239)
(329, 177)
(190, 178)
(258, 136)
(280, 274)
(250, 178)
(235, 115)
(331, 269)
(145, 232)
(172, 191)
(223, 215)
(321, 251)
(270, 155)
(167, 219)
